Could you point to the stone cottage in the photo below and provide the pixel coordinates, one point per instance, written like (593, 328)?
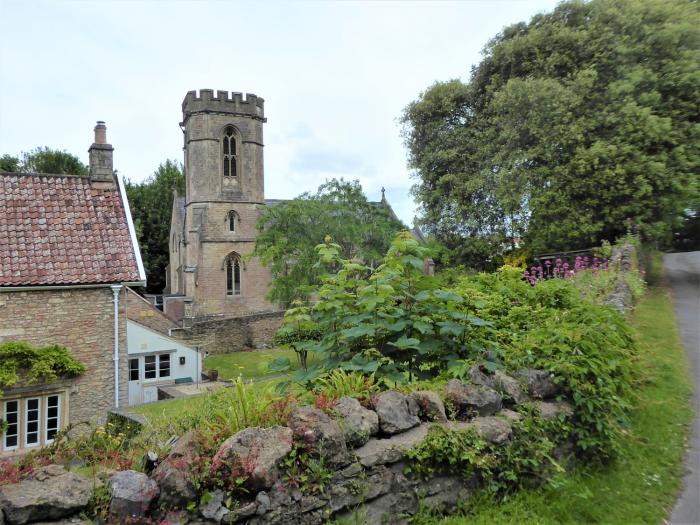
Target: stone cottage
(68, 251)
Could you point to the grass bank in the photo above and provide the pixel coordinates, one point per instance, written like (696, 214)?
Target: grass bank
(643, 484)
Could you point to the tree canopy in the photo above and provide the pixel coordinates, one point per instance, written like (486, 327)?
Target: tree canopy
(571, 124)
(290, 231)
(151, 204)
(44, 160)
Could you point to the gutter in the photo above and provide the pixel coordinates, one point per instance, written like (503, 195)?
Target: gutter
(33, 288)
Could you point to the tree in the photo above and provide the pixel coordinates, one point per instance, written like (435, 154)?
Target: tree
(290, 231)
(44, 160)
(571, 124)
(151, 204)
(9, 163)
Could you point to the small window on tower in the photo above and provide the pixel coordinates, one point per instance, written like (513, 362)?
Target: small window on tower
(230, 152)
(232, 218)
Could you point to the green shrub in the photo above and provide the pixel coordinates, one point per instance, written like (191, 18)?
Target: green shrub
(46, 363)
(528, 460)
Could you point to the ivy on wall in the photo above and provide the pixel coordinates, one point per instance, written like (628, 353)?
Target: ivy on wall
(34, 364)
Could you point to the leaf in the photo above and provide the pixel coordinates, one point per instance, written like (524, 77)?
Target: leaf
(477, 321)
(279, 365)
(446, 295)
(358, 331)
(398, 326)
(404, 343)
(451, 328)
(423, 327)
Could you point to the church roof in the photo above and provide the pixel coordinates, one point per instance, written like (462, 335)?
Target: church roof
(62, 230)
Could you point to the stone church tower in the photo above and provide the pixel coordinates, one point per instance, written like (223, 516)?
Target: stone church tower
(213, 225)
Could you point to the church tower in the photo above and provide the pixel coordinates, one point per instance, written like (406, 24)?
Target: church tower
(213, 230)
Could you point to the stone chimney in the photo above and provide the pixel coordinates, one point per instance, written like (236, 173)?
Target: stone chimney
(101, 156)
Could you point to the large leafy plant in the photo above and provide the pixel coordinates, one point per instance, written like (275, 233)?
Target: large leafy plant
(391, 321)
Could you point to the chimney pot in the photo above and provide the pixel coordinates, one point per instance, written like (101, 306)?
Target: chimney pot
(100, 132)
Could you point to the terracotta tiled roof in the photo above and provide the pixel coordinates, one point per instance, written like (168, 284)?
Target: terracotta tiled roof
(60, 230)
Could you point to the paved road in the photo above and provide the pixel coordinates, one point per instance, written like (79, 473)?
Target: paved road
(684, 271)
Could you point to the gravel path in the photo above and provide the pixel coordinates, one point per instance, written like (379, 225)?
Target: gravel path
(684, 271)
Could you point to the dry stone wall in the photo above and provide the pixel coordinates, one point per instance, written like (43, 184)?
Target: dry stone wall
(365, 446)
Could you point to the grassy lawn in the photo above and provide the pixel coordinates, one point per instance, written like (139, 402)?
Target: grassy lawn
(249, 365)
(643, 484)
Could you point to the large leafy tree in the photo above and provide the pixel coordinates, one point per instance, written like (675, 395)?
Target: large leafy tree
(571, 124)
(151, 204)
(44, 160)
(290, 231)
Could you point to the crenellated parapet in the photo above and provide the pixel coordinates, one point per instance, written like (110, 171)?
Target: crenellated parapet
(223, 102)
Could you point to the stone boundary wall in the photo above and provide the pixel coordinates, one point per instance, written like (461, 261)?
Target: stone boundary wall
(220, 336)
(626, 259)
(363, 446)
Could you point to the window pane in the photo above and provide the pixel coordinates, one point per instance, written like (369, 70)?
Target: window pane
(164, 362)
(234, 173)
(32, 422)
(150, 367)
(232, 222)
(236, 277)
(233, 146)
(11, 417)
(226, 166)
(226, 146)
(133, 369)
(52, 419)
(229, 278)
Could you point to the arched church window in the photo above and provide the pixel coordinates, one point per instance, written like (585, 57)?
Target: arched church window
(230, 152)
(232, 219)
(233, 275)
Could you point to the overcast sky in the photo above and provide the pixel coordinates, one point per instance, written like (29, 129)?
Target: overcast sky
(335, 77)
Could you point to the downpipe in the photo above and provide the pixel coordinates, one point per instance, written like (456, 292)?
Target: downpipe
(116, 289)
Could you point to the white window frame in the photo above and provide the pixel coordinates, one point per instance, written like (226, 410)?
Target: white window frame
(138, 368)
(169, 367)
(26, 401)
(23, 420)
(157, 357)
(18, 424)
(48, 440)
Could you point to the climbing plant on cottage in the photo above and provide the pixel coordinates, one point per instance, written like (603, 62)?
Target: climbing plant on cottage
(45, 363)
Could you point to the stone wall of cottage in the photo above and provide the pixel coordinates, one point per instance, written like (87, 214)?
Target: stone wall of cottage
(82, 320)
